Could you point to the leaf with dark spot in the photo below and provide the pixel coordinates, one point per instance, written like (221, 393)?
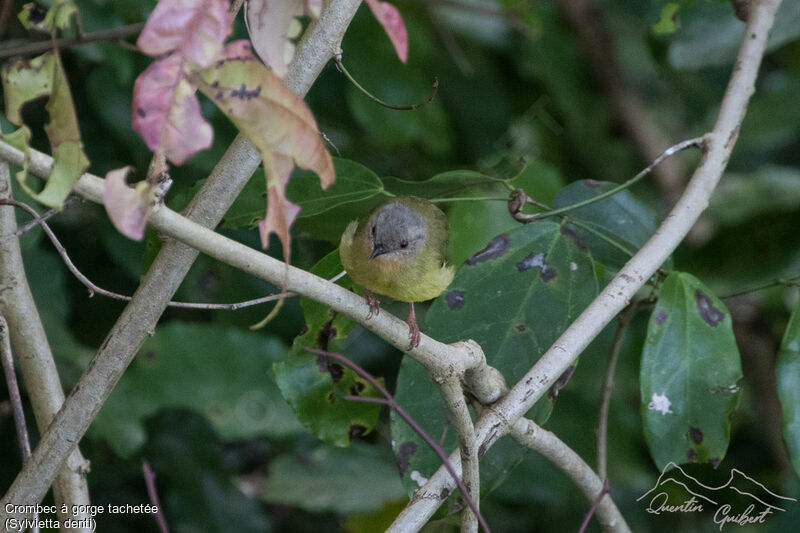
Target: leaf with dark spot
(455, 300)
(403, 455)
(569, 232)
(497, 247)
(689, 374)
(314, 385)
(708, 312)
(621, 218)
(502, 304)
(337, 372)
(537, 260)
(356, 431)
(691, 455)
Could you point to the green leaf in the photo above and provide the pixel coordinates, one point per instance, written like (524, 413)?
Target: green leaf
(788, 377)
(26, 80)
(479, 221)
(514, 297)
(449, 184)
(57, 17)
(668, 22)
(324, 213)
(613, 228)
(358, 479)
(690, 374)
(195, 485)
(314, 385)
(354, 184)
(222, 373)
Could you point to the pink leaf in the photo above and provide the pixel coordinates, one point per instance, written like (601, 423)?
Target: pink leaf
(391, 20)
(166, 112)
(269, 24)
(193, 29)
(277, 122)
(313, 8)
(127, 208)
(280, 211)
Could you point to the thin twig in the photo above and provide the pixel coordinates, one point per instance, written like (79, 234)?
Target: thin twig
(453, 394)
(595, 504)
(112, 34)
(518, 215)
(15, 399)
(152, 493)
(791, 281)
(95, 289)
(389, 401)
(338, 60)
(608, 386)
(13, 391)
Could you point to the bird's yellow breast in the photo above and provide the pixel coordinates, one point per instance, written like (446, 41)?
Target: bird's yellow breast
(412, 279)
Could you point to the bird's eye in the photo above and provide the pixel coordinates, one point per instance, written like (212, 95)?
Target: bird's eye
(403, 244)
(373, 231)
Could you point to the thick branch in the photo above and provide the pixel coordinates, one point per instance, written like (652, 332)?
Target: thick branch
(453, 394)
(140, 316)
(33, 353)
(617, 294)
(530, 435)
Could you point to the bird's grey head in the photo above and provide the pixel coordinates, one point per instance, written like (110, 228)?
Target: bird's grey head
(397, 230)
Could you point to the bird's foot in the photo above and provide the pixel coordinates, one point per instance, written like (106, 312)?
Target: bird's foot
(414, 333)
(373, 303)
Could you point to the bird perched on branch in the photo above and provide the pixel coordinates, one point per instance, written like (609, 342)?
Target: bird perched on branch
(399, 250)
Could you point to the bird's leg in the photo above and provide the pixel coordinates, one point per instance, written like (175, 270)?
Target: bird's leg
(373, 303)
(413, 328)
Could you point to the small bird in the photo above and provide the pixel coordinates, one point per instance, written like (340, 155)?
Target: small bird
(399, 250)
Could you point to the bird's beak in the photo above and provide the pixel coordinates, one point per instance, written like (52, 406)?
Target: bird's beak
(378, 249)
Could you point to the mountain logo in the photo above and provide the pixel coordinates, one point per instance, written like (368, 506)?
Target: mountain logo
(741, 500)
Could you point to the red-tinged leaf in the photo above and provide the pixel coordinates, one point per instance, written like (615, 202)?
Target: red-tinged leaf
(277, 122)
(193, 29)
(313, 8)
(271, 24)
(127, 208)
(280, 211)
(392, 21)
(166, 112)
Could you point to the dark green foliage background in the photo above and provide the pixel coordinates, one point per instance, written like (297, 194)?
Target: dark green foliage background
(513, 106)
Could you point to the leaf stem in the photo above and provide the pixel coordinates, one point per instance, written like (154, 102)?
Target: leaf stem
(691, 143)
(791, 281)
(343, 70)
